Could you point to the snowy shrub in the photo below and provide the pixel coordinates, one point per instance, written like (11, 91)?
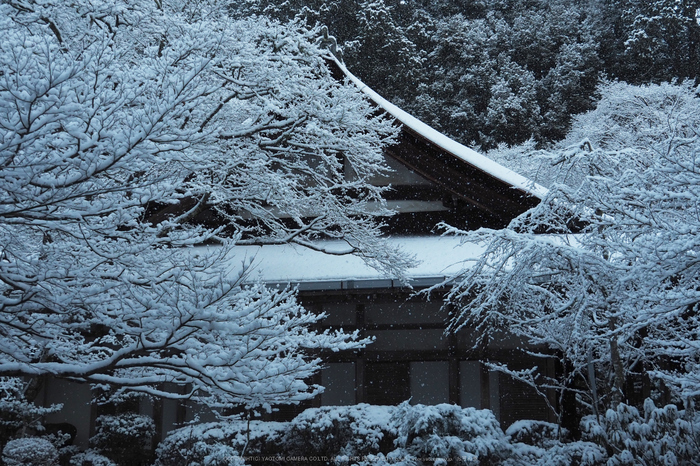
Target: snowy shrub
(90, 458)
(124, 438)
(447, 433)
(63, 443)
(220, 443)
(661, 436)
(32, 451)
(17, 415)
(542, 443)
(573, 454)
(341, 432)
(537, 433)
(557, 454)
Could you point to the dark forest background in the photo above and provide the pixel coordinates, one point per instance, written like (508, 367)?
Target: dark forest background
(502, 71)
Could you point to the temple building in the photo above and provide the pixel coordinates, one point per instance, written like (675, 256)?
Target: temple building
(434, 179)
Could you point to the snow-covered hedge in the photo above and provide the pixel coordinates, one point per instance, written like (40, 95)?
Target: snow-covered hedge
(340, 433)
(347, 435)
(441, 435)
(660, 436)
(90, 458)
(124, 438)
(540, 443)
(32, 451)
(537, 433)
(220, 443)
(448, 433)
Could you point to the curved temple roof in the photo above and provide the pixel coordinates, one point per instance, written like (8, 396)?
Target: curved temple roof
(461, 170)
(456, 168)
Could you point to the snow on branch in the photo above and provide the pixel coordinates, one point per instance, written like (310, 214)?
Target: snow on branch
(113, 116)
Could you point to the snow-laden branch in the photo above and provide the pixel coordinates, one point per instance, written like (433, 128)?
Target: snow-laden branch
(115, 137)
(619, 296)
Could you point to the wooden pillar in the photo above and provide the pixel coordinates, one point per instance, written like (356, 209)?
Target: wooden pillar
(158, 416)
(93, 418)
(485, 387)
(360, 395)
(316, 379)
(181, 410)
(454, 380)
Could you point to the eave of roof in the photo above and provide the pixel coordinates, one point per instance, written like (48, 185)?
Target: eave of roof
(447, 145)
(438, 258)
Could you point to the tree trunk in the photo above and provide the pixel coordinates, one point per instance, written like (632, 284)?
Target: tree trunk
(618, 368)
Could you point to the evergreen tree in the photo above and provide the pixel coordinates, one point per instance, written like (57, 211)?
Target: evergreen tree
(662, 40)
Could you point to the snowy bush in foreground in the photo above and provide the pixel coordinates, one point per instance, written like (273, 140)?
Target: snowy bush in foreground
(32, 451)
(536, 433)
(447, 433)
(345, 435)
(124, 438)
(17, 415)
(219, 443)
(441, 435)
(659, 436)
(567, 454)
(363, 435)
(341, 432)
(90, 458)
(540, 443)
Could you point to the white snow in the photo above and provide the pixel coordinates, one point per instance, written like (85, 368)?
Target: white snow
(438, 257)
(453, 147)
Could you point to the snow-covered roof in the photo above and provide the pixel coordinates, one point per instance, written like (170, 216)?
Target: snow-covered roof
(312, 270)
(450, 146)
(437, 257)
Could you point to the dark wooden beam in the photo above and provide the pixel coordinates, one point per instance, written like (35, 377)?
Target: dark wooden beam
(458, 177)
